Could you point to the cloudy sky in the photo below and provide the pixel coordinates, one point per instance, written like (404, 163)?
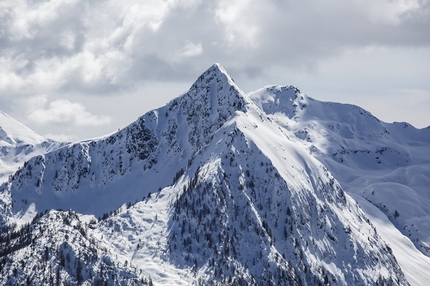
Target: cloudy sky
(83, 68)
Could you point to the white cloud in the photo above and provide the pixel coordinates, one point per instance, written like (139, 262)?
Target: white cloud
(10, 81)
(55, 46)
(190, 50)
(240, 22)
(65, 112)
(30, 104)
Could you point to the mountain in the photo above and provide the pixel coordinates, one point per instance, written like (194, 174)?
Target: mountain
(86, 176)
(215, 188)
(388, 164)
(18, 144)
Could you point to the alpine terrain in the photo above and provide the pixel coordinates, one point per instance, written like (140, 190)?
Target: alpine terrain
(220, 187)
(18, 144)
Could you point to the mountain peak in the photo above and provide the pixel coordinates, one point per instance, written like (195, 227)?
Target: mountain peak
(216, 71)
(276, 98)
(13, 133)
(217, 68)
(208, 104)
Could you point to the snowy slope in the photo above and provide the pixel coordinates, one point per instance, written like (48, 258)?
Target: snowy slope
(387, 164)
(141, 158)
(213, 188)
(13, 133)
(58, 248)
(18, 144)
(403, 249)
(233, 198)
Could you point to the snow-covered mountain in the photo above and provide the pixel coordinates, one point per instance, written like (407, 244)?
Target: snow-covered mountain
(388, 164)
(18, 144)
(217, 187)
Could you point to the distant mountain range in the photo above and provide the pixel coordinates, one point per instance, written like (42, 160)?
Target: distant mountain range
(18, 144)
(220, 187)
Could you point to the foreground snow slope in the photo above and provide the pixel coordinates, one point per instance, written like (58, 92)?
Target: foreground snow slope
(403, 249)
(387, 164)
(58, 248)
(213, 188)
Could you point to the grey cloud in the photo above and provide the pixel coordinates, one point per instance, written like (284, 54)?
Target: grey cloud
(304, 35)
(40, 30)
(94, 47)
